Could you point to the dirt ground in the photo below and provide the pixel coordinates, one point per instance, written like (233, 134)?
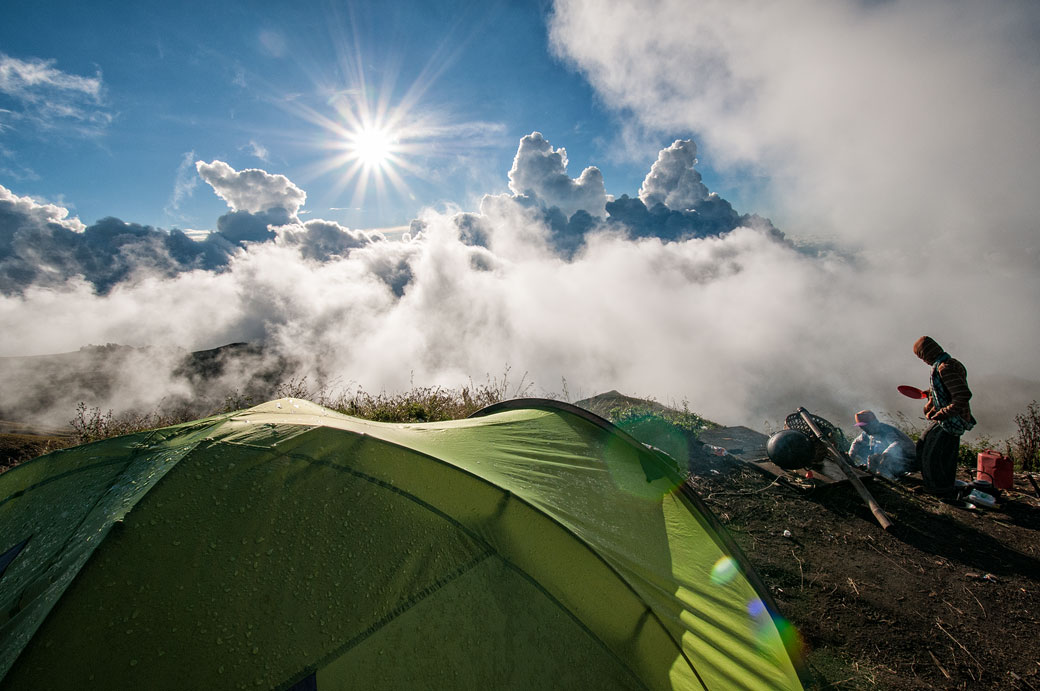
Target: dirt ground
(948, 598)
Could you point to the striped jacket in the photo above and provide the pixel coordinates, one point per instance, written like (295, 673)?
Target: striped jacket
(954, 379)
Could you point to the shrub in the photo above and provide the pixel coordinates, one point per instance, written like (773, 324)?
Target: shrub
(968, 452)
(1025, 445)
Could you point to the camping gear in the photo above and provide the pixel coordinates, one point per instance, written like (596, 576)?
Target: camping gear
(986, 487)
(790, 449)
(981, 499)
(842, 459)
(912, 391)
(998, 467)
(288, 546)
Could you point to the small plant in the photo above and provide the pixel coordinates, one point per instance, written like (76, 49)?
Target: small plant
(907, 426)
(296, 387)
(1025, 445)
(90, 424)
(968, 452)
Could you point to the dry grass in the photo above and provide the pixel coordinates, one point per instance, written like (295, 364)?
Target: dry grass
(418, 404)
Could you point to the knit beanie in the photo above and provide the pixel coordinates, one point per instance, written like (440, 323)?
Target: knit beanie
(927, 349)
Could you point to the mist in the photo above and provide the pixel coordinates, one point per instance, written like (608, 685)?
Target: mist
(903, 134)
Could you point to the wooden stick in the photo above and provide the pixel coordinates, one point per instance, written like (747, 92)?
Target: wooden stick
(846, 467)
(936, 661)
(1033, 483)
(977, 600)
(939, 624)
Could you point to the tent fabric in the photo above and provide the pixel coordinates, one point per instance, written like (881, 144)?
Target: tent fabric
(289, 546)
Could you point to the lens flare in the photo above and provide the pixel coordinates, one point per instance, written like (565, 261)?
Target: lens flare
(756, 608)
(724, 571)
(768, 625)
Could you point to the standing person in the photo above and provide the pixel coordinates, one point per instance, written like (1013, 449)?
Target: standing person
(883, 448)
(950, 413)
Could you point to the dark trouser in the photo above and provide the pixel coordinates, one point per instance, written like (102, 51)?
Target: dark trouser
(937, 451)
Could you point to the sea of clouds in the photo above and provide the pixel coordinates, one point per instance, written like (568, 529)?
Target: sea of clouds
(901, 153)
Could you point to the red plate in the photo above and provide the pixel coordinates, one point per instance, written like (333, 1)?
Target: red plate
(912, 391)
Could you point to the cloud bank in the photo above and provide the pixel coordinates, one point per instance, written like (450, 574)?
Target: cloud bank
(683, 299)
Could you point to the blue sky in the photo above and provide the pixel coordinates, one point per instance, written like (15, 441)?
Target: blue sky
(256, 84)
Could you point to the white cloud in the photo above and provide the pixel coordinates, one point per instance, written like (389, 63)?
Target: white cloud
(36, 212)
(907, 112)
(904, 132)
(46, 97)
(258, 150)
(673, 180)
(252, 190)
(184, 183)
(540, 171)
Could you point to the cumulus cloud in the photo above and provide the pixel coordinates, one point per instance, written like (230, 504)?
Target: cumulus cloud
(540, 171)
(545, 198)
(46, 97)
(40, 246)
(14, 208)
(321, 240)
(673, 180)
(252, 190)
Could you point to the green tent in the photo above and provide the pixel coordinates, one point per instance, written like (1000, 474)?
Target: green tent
(531, 546)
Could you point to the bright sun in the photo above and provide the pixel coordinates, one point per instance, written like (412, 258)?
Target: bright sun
(372, 146)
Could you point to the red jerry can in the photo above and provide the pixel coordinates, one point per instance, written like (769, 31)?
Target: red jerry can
(997, 468)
